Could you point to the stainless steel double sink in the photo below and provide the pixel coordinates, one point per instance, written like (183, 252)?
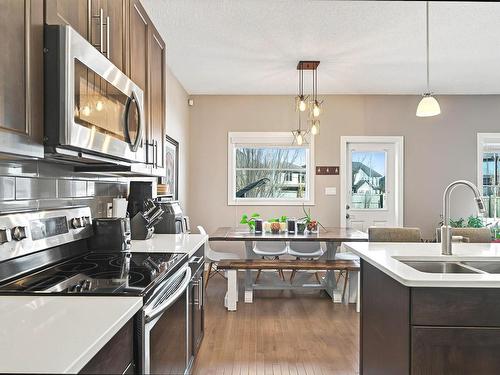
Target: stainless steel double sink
(431, 266)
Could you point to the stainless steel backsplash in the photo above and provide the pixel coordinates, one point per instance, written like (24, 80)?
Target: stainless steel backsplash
(31, 185)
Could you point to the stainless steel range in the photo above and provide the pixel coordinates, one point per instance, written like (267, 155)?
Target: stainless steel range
(46, 252)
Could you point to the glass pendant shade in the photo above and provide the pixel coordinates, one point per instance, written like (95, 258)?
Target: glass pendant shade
(315, 127)
(302, 104)
(300, 139)
(428, 106)
(316, 109)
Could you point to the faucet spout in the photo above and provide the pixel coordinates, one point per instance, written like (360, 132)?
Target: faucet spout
(445, 228)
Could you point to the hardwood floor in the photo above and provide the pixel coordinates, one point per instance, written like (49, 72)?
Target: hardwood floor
(282, 332)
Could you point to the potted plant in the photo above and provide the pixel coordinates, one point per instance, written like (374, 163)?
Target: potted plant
(250, 221)
(276, 225)
(311, 225)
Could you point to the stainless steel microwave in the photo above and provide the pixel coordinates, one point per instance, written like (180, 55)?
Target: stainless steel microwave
(93, 111)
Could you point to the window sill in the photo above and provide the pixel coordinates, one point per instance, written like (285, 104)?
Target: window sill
(270, 203)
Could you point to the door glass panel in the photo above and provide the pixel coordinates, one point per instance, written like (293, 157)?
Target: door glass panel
(98, 105)
(368, 179)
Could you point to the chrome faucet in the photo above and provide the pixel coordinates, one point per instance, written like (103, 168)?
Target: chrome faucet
(445, 228)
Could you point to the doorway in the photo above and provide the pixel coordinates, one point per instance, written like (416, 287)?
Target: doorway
(371, 182)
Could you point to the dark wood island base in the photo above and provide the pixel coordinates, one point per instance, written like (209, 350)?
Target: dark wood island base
(427, 331)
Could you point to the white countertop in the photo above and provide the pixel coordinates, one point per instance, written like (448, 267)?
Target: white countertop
(381, 256)
(58, 334)
(170, 243)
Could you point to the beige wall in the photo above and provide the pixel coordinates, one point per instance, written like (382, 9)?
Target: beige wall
(179, 129)
(437, 150)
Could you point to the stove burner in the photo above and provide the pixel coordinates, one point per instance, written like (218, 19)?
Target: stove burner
(76, 267)
(100, 256)
(133, 277)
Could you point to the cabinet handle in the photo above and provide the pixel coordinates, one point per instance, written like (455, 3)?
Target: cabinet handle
(108, 47)
(148, 145)
(156, 153)
(101, 29)
(89, 20)
(200, 294)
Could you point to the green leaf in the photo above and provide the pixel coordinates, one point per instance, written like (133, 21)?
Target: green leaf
(255, 215)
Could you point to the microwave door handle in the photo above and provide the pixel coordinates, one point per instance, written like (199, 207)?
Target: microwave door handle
(134, 144)
(153, 314)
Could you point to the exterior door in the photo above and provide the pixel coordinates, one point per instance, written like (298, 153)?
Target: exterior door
(372, 183)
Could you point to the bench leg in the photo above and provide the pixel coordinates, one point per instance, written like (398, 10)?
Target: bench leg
(231, 298)
(347, 286)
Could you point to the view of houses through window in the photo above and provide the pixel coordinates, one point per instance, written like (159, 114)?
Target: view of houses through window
(491, 183)
(368, 180)
(271, 172)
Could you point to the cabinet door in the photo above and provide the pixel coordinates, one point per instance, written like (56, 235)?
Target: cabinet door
(115, 10)
(69, 12)
(110, 39)
(137, 68)
(21, 82)
(157, 99)
(455, 350)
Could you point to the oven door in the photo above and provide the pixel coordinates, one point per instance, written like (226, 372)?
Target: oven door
(164, 341)
(90, 104)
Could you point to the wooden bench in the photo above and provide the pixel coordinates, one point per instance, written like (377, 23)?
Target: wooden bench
(233, 265)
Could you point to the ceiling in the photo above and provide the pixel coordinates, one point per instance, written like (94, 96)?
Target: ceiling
(365, 47)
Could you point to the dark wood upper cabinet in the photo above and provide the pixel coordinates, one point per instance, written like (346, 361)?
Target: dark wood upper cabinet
(147, 68)
(74, 13)
(21, 83)
(157, 94)
(101, 22)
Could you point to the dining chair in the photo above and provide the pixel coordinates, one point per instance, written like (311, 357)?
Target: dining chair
(381, 234)
(305, 250)
(214, 257)
(270, 250)
(472, 235)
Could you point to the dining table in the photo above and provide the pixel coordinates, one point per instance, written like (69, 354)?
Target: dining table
(331, 236)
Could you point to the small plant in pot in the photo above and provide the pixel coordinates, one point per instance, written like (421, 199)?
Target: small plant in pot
(312, 226)
(278, 225)
(250, 221)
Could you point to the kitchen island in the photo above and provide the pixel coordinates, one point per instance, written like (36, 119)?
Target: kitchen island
(425, 313)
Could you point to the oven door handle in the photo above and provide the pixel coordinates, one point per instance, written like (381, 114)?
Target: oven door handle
(152, 314)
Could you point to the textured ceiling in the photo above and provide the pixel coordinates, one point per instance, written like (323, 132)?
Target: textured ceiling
(372, 47)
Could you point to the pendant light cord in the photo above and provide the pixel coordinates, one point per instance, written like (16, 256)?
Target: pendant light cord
(427, 41)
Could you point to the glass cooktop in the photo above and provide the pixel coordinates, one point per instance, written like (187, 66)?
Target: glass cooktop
(100, 273)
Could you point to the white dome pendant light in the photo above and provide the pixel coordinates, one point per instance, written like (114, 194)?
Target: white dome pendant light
(428, 105)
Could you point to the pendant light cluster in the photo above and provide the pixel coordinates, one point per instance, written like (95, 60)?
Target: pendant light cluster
(428, 105)
(309, 103)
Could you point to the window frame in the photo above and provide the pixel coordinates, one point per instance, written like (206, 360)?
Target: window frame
(255, 139)
(486, 143)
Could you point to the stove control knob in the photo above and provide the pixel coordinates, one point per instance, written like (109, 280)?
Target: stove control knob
(19, 233)
(76, 223)
(5, 236)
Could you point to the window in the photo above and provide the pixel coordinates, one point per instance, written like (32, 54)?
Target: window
(266, 168)
(488, 179)
(368, 179)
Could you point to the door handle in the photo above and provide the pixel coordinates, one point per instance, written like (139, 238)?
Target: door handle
(347, 207)
(347, 216)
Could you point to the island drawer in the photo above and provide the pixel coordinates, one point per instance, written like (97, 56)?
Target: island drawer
(472, 307)
(455, 350)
